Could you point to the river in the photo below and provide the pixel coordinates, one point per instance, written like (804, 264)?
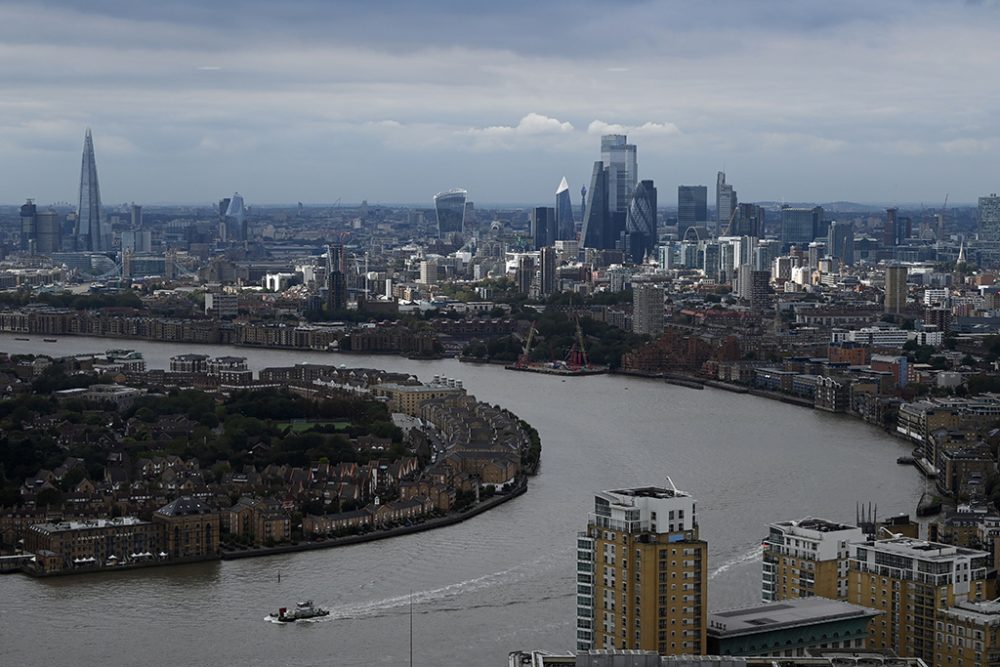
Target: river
(499, 582)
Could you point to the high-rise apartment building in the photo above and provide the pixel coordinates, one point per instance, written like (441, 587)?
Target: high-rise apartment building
(547, 259)
(525, 273)
(647, 310)
(915, 583)
(725, 203)
(895, 288)
(89, 231)
(692, 207)
(642, 573)
(969, 634)
(450, 209)
(989, 218)
(807, 557)
(565, 225)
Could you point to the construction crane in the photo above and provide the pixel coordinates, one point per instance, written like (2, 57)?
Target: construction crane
(577, 357)
(522, 361)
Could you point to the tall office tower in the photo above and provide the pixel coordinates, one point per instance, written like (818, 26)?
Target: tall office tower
(543, 226)
(816, 251)
(989, 218)
(647, 310)
(48, 232)
(748, 221)
(596, 217)
(640, 224)
(565, 225)
(88, 213)
(890, 233)
(692, 207)
(642, 574)
(450, 208)
(336, 279)
(548, 271)
(234, 220)
(725, 204)
(619, 158)
(525, 273)
(136, 214)
(764, 253)
(712, 259)
(667, 255)
(470, 220)
(914, 583)
(807, 557)
(800, 225)
(895, 288)
(840, 243)
(29, 214)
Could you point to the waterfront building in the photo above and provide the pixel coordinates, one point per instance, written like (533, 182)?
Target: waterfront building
(800, 225)
(692, 207)
(191, 528)
(189, 363)
(614, 658)
(969, 634)
(789, 628)
(725, 204)
(450, 209)
(647, 310)
(895, 288)
(89, 229)
(914, 582)
(409, 398)
(807, 557)
(221, 305)
(642, 573)
(565, 225)
(93, 543)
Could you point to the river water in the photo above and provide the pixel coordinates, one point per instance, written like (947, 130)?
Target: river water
(499, 582)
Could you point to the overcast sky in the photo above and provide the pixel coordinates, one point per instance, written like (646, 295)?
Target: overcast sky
(394, 100)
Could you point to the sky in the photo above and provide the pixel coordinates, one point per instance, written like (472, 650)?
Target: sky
(392, 101)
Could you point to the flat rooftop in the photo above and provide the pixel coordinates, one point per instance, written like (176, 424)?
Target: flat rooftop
(63, 526)
(922, 549)
(650, 492)
(820, 525)
(783, 615)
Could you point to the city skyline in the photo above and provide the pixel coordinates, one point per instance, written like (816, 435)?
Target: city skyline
(306, 102)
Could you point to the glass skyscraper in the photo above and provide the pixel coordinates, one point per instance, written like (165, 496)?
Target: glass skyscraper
(235, 219)
(989, 218)
(640, 225)
(596, 219)
(725, 202)
(692, 207)
(619, 158)
(450, 207)
(565, 225)
(800, 225)
(88, 231)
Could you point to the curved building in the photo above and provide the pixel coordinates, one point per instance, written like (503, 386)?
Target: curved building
(450, 208)
(640, 225)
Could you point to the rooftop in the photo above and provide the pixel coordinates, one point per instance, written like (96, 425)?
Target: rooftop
(783, 615)
(91, 524)
(820, 525)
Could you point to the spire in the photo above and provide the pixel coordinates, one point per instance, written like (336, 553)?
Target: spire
(89, 234)
(563, 186)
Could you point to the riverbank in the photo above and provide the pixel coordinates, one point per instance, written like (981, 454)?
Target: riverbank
(449, 520)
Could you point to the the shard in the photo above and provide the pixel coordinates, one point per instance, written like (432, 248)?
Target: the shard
(88, 219)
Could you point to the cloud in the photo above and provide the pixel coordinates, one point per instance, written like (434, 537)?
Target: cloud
(647, 129)
(533, 124)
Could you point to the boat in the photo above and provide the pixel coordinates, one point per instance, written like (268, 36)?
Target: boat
(50, 340)
(22, 339)
(303, 611)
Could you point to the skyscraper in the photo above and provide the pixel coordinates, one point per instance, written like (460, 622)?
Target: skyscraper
(890, 232)
(807, 557)
(749, 220)
(336, 280)
(800, 225)
(548, 270)
(840, 243)
(895, 288)
(619, 158)
(28, 220)
(725, 202)
(642, 573)
(596, 217)
(692, 207)
(647, 310)
(88, 219)
(543, 226)
(640, 225)
(450, 208)
(235, 219)
(989, 218)
(565, 225)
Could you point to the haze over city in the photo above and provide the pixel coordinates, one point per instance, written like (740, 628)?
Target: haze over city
(314, 102)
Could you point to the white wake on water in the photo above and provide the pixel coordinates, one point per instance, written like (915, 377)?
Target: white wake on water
(751, 555)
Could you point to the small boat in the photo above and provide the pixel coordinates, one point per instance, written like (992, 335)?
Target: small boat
(303, 610)
(22, 339)
(50, 340)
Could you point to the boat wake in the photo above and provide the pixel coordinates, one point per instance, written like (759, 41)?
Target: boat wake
(375, 608)
(749, 556)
